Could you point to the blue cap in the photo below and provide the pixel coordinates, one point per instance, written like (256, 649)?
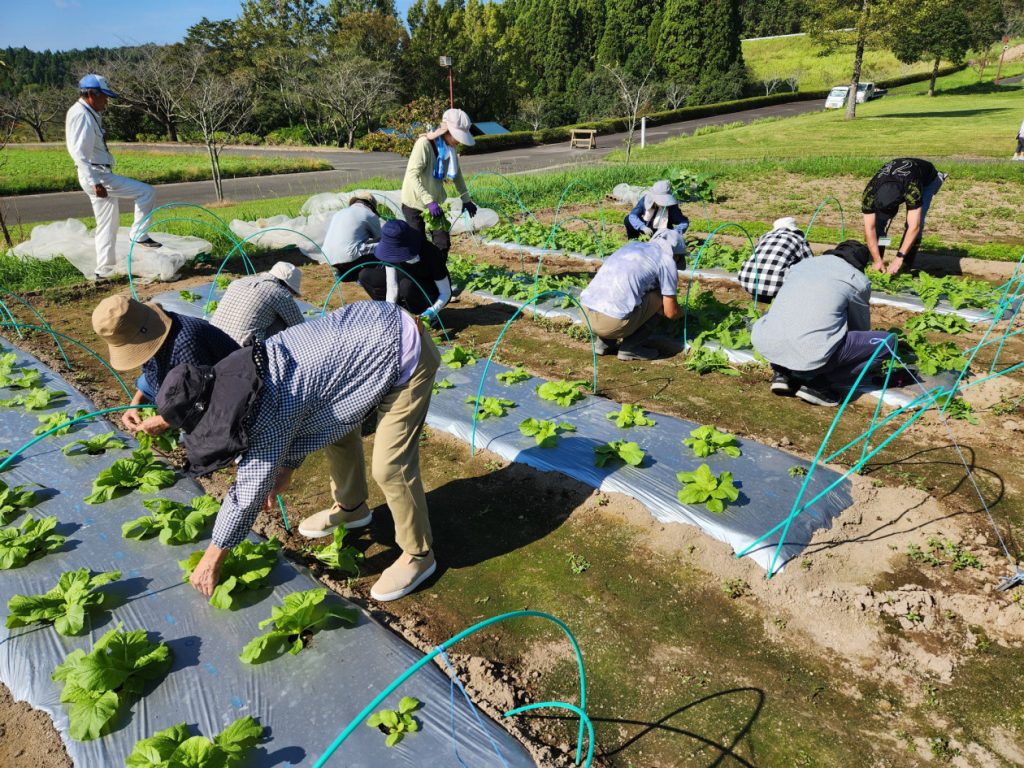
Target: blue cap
(398, 242)
(96, 83)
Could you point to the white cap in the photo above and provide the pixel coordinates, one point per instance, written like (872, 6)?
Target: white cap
(288, 274)
(670, 239)
(458, 124)
(786, 222)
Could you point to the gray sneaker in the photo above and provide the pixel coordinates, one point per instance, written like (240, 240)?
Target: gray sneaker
(638, 352)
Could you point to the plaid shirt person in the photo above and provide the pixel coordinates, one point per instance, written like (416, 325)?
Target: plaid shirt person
(763, 273)
(257, 306)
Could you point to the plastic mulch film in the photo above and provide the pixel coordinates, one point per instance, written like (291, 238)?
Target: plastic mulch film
(767, 490)
(303, 700)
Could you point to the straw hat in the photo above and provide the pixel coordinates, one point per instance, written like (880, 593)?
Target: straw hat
(133, 331)
(288, 274)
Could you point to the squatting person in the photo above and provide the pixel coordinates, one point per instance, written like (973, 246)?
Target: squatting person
(84, 136)
(817, 334)
(656, 210)
(310, 387)
(904, 181)
(353, 234)
(149, 336)
(763, 273)
(633, 286)
(260, 305)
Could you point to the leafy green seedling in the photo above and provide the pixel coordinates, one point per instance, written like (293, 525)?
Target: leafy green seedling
(246, 568)
(167, 441)
(396, 723)
(702, 486)
(8, 361)
(704, 360)
(565, 393)
(933, 321)
(172, 521)
(456, 357)
(14, 500)
(222, 282)
(961, 410)
(35, 399)
(707, 440)
(210, 308)
(28, 541)
(50, 420)
(294, 623)
(65, 606)
(544, 432)
(142, 471)
(797, 470)
(631, 416)
(99, 683)
(437, 386)
(189, 296)
(337, 555)
(174, 748)
(490, 406)
(21, 378)
(631, 453)
(578, 563)
(515, 376)
(94, 446)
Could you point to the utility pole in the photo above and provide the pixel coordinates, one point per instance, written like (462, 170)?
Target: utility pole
(446, 61)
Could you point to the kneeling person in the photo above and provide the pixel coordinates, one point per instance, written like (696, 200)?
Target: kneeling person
(817, 333)
(310, 387)
(633, 286)
(763, 273)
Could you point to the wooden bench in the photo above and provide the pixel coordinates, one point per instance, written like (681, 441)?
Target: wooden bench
(582, 138)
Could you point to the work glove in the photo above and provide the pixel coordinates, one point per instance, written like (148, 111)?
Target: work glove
(647, 231)
(469, 207)
(430, 317)
(435, 210)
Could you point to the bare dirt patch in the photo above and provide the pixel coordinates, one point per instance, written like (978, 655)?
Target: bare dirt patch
(28, 738)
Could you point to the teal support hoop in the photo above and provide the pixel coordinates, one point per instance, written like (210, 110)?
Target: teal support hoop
(46, 326)
(368, 709)
(821, 205)
(69, 422)
(487, 365)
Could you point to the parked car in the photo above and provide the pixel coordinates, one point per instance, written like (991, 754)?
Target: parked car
(837, 96)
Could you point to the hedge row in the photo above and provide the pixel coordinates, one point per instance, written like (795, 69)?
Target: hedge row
(620, 124)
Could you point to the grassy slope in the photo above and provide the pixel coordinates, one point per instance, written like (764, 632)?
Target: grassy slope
(28, 171)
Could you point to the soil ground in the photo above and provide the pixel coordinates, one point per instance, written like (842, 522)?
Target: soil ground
(875, 647)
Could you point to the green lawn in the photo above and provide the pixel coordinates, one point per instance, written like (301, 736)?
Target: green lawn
(27, 171)
(801, 57)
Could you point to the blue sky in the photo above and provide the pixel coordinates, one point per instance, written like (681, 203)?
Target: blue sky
(60, 25)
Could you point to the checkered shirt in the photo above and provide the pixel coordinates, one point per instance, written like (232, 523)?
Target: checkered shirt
(322, 379)
(257, 306)
(191, 341)
(774, 254)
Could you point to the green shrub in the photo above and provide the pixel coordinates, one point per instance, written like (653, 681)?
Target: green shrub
(293, 135)
(248, 139)
(384, 142)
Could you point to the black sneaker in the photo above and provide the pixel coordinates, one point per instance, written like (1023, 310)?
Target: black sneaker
(781, 385)
(605, 346)
(148, 242)
(637, 352)
(817, 394)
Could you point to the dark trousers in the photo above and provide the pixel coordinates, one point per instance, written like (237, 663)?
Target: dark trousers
(849, 359)
(439, 239)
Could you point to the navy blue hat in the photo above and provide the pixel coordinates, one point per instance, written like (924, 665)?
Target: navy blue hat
(96, 83)
(399, 243)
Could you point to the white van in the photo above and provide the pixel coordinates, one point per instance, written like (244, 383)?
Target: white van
(836, 98)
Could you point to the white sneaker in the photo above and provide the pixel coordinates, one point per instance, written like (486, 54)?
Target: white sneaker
(324, 522)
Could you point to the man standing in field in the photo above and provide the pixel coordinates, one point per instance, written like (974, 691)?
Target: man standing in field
(84, 135)
(903, 181)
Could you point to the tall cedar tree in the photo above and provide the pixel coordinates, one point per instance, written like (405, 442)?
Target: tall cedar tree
(699, 43)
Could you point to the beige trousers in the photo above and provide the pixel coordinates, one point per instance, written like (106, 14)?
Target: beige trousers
(613, 328)
(396, 455)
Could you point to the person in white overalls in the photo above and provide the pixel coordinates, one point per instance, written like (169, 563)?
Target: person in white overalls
(84, 135)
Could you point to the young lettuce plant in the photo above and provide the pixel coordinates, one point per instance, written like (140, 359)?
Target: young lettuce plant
(337, 555)
(14, 500)
(28, 541)
(142, 471)
(706, 440)
(490, 406)
(396, 723)
(631, 453)
(544, 432)
(99, 683)
(22, 378)
(246, 569)
(518, 374)
(38, 399)
(631, 416)
(294, 623)
(456, 357)
(703, 487)
(189, 296)
(174, 748)
(172, 521)
(50, 420)
(94, 446)
(437, 386)
(65, 606)
(565, 393)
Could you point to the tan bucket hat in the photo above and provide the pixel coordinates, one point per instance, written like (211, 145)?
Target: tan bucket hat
(134, 331)
(288, 274)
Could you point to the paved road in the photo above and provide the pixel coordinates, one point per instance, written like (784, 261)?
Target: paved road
(350, 167)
